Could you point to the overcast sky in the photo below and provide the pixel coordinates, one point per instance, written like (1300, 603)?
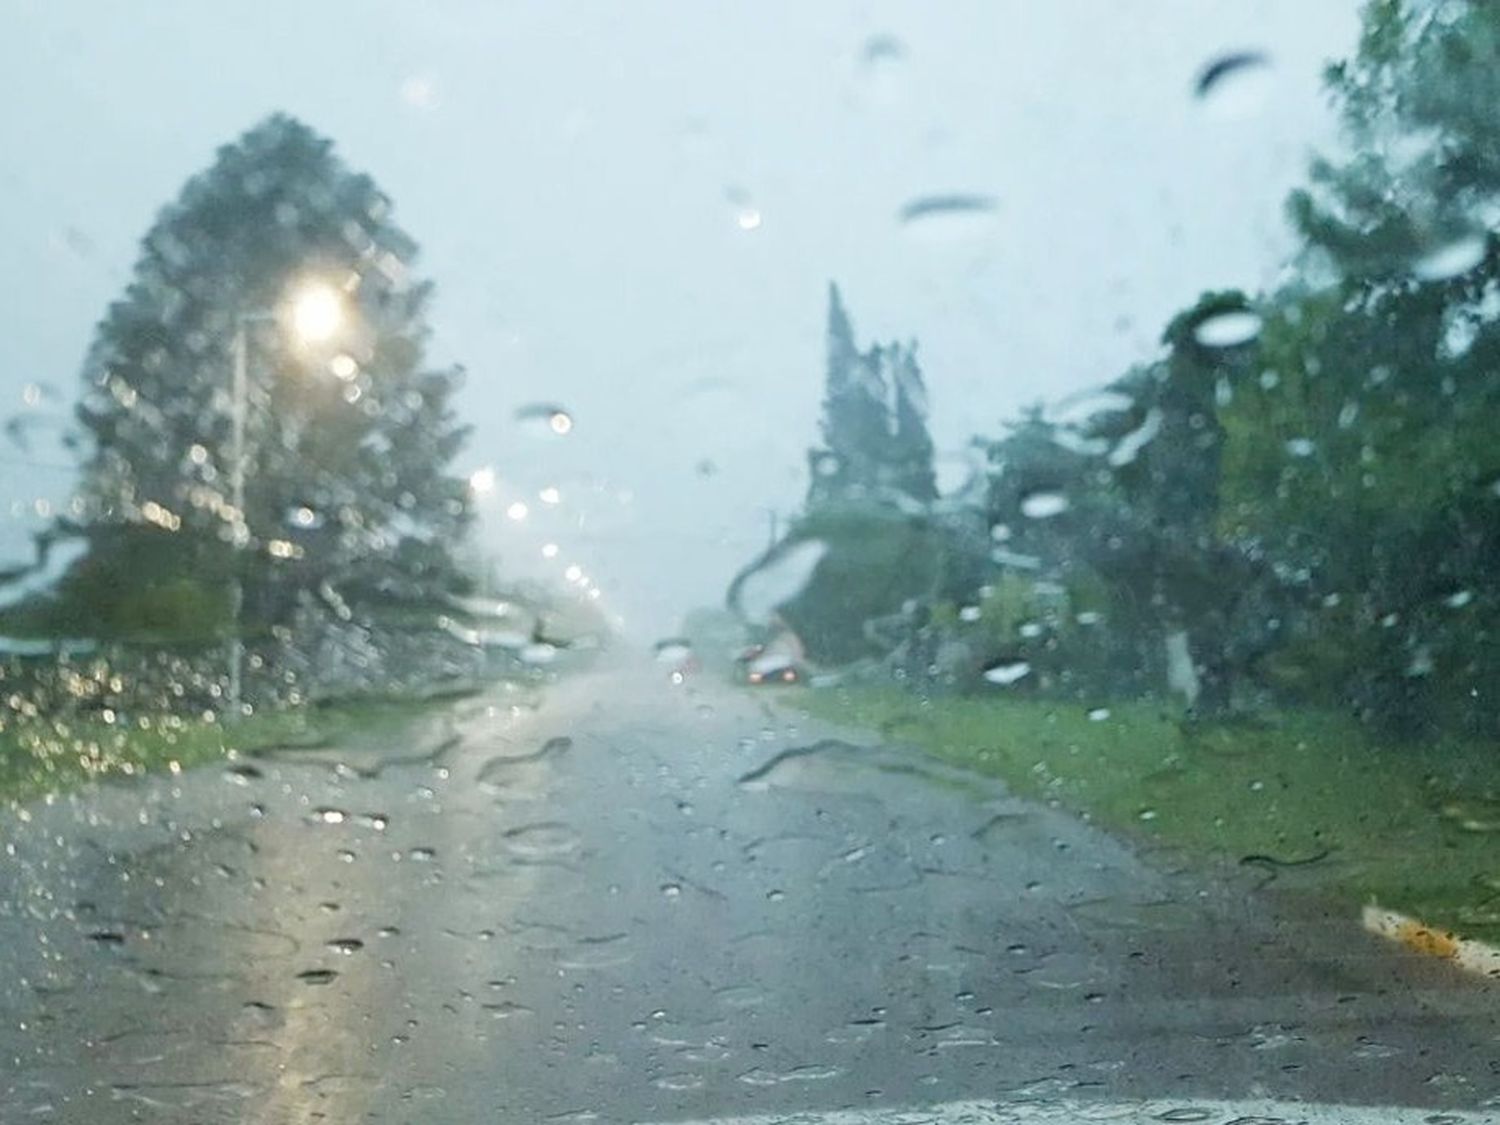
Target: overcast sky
(633, 209)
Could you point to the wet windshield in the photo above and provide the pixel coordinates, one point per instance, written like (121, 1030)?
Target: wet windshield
(800, 563)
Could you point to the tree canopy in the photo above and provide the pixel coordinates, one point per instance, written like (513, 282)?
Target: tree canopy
(348, 440)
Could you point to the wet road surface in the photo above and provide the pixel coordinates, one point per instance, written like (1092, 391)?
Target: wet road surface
(632, 901)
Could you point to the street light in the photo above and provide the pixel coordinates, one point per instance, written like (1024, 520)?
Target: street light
(316, 314)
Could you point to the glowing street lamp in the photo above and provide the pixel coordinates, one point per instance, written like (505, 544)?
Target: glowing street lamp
(317, 313)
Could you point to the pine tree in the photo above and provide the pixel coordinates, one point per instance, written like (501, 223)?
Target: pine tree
(348, 445)
(875, 440)
(911, 447)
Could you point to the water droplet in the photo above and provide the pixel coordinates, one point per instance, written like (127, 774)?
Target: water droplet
(777, 579)
(1227, 329)
(1235, 85)
(419, 92)
(377, 821)
(775, 896)
(545, 838)
(545, 419)
(679, 1082)
(328, 815)
(882, 48)
(1087, 405)
(671, 890)
(1007, 672)
(1098, 714)
(242, 773)
(537, 653)
(506, 1009)
(421, 854)
(1451, 259)
(759, 1076)
(1459, 600)
(346, 945)
(959, 217)
(673, 650)
(317, 976)
(1128, 448)
(1043, 505)
(1301, 447)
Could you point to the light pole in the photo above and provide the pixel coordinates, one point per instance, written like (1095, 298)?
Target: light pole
(317, 312)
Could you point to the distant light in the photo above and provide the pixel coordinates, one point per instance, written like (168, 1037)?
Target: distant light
(574, 573)
(344, 366)
(317, 313)
(518, 511)
(549, 495)
(560, 421)
(748, 219)
(549, 550)
(482, 481)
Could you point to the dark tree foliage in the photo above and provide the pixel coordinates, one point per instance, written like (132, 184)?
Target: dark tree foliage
(875, 441)
(349, 440)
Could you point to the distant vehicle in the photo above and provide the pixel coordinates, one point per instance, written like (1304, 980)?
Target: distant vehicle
(757, 665)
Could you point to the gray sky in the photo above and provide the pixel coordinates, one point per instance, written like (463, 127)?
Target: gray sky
(581, 177)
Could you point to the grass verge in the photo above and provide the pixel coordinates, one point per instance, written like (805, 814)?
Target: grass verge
(47, 755)
(1309, 798)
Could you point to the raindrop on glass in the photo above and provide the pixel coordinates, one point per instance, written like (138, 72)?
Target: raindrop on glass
(1235, 85)
(545, 419)
(1043, 505)
(1227, 329)
(1007, 672)
(1450, 259)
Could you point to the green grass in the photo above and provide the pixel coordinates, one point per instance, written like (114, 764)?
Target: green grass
(1413, 828)
(40, 755)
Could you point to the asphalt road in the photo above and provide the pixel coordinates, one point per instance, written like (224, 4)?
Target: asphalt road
(634, 901)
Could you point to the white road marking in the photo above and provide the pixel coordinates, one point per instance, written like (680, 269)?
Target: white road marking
(1476, 957)
(1165, 1112)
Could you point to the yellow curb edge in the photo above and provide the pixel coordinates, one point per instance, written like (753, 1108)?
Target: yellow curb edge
(1477, 957)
